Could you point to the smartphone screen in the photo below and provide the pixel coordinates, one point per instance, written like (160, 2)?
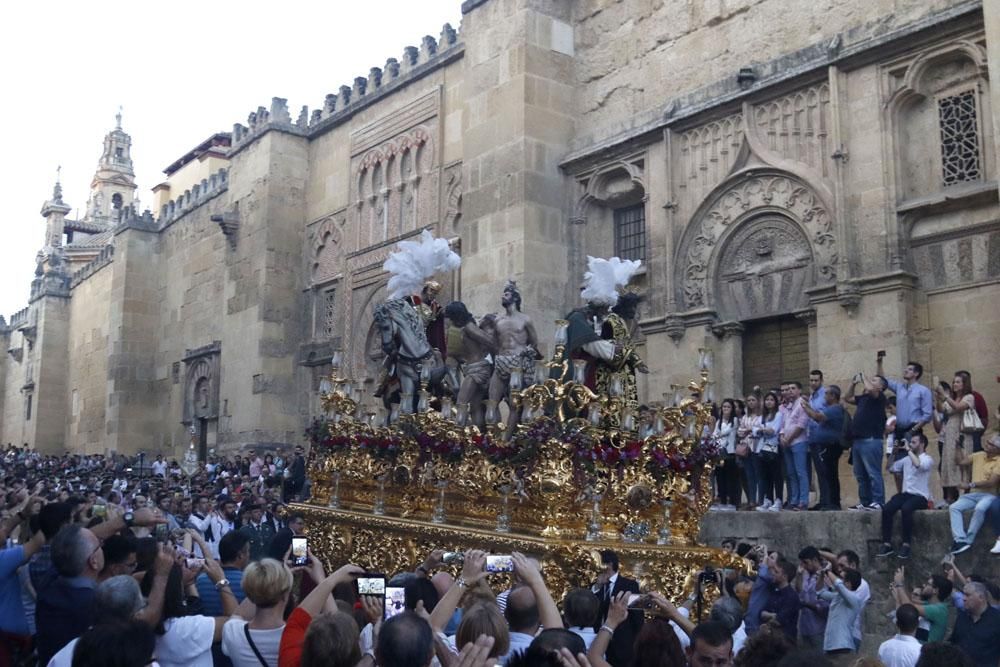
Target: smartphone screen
(371, 584)
(499, 563)
(394, 601)
(161, 532)
(299, 551)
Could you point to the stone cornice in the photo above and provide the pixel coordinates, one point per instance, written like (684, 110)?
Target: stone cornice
(215, 347)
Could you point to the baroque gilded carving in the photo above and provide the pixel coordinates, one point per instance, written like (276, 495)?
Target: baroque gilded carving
(750, 195)
(396, 544)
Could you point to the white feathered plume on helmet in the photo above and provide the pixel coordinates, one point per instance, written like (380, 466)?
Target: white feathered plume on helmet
(605, 277)
(416, 261)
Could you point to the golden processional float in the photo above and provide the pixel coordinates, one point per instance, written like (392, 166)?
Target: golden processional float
(560, 484)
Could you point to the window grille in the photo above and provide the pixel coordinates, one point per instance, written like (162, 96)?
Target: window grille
(958, 121)
(630, 232)
(329, 312)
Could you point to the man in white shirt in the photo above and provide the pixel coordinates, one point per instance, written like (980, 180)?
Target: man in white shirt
(220, 522)
(903, 650)
(916, 468)
(159, 467)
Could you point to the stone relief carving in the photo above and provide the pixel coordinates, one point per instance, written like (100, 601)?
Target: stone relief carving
(201, 383)
(797, 126)
(453, 199)
(610, 185)
(324, 242)
(748, 197)
(763, 269)
(390, 198)
(706, 155)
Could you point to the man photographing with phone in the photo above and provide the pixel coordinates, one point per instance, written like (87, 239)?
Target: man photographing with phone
(916, 469)
(914, 402)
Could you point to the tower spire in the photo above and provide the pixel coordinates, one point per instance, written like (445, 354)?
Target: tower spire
(112, 189)
(57, 190)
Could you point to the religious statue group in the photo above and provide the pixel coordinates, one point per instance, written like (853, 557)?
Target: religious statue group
(477, 362)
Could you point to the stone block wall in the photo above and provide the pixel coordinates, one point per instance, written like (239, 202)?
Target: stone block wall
(638, 55)
(87, 382)
(13, 428)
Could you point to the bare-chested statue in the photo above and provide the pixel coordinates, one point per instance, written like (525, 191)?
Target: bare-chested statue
(517, 344)
(469, 347)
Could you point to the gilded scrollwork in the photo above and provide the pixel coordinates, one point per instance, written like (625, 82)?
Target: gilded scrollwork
(393, 544)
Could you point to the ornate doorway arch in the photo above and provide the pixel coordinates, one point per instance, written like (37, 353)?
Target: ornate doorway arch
(767, 206)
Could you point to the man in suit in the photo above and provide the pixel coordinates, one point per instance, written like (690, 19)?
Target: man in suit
(609, 584)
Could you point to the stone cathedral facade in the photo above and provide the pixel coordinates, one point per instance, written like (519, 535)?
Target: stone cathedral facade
(806, 182)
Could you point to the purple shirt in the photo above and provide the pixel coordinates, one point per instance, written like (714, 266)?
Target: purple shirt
(812, 623)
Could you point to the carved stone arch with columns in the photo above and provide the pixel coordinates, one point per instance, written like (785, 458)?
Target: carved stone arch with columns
(917, 179)
(777, 211)
(202, 383)
(365, 355)
(326, 239)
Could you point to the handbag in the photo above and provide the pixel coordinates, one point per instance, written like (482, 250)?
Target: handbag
(742, 447)
(971, 422)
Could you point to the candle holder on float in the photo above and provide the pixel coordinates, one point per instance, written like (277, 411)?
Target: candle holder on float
(422, 463)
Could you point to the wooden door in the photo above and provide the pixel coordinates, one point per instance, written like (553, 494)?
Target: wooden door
(775, 351)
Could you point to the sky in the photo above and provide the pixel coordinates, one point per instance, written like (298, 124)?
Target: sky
(180, 70)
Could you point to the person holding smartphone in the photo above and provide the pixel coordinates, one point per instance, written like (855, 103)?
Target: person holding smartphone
(916, 469)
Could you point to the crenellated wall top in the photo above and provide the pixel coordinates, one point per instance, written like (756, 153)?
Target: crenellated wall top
(416, 62)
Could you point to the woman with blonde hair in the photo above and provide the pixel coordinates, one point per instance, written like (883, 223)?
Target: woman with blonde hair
(251, 637)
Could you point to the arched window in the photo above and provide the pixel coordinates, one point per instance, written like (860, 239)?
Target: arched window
(116, 201)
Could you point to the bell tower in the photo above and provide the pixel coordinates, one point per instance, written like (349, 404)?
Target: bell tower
(112, 189)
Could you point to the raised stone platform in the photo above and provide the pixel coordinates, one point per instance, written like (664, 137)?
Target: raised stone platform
(861, 531)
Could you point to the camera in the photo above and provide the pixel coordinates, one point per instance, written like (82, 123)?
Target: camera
(707, 575)
(451, 557)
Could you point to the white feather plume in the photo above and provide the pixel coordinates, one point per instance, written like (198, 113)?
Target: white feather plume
(416, 261)
(605, 276)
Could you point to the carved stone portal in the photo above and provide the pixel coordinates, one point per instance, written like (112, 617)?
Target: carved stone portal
(751, 196)
(764, 270)
(201, 383)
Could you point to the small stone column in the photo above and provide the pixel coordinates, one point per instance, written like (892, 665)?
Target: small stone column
(728, 372)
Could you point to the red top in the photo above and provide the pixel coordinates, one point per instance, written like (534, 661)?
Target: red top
(290, 649)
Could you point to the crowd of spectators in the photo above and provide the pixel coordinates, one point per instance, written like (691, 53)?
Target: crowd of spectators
(775, 442)
(89, 538)
(116, 561)
(116, 571)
